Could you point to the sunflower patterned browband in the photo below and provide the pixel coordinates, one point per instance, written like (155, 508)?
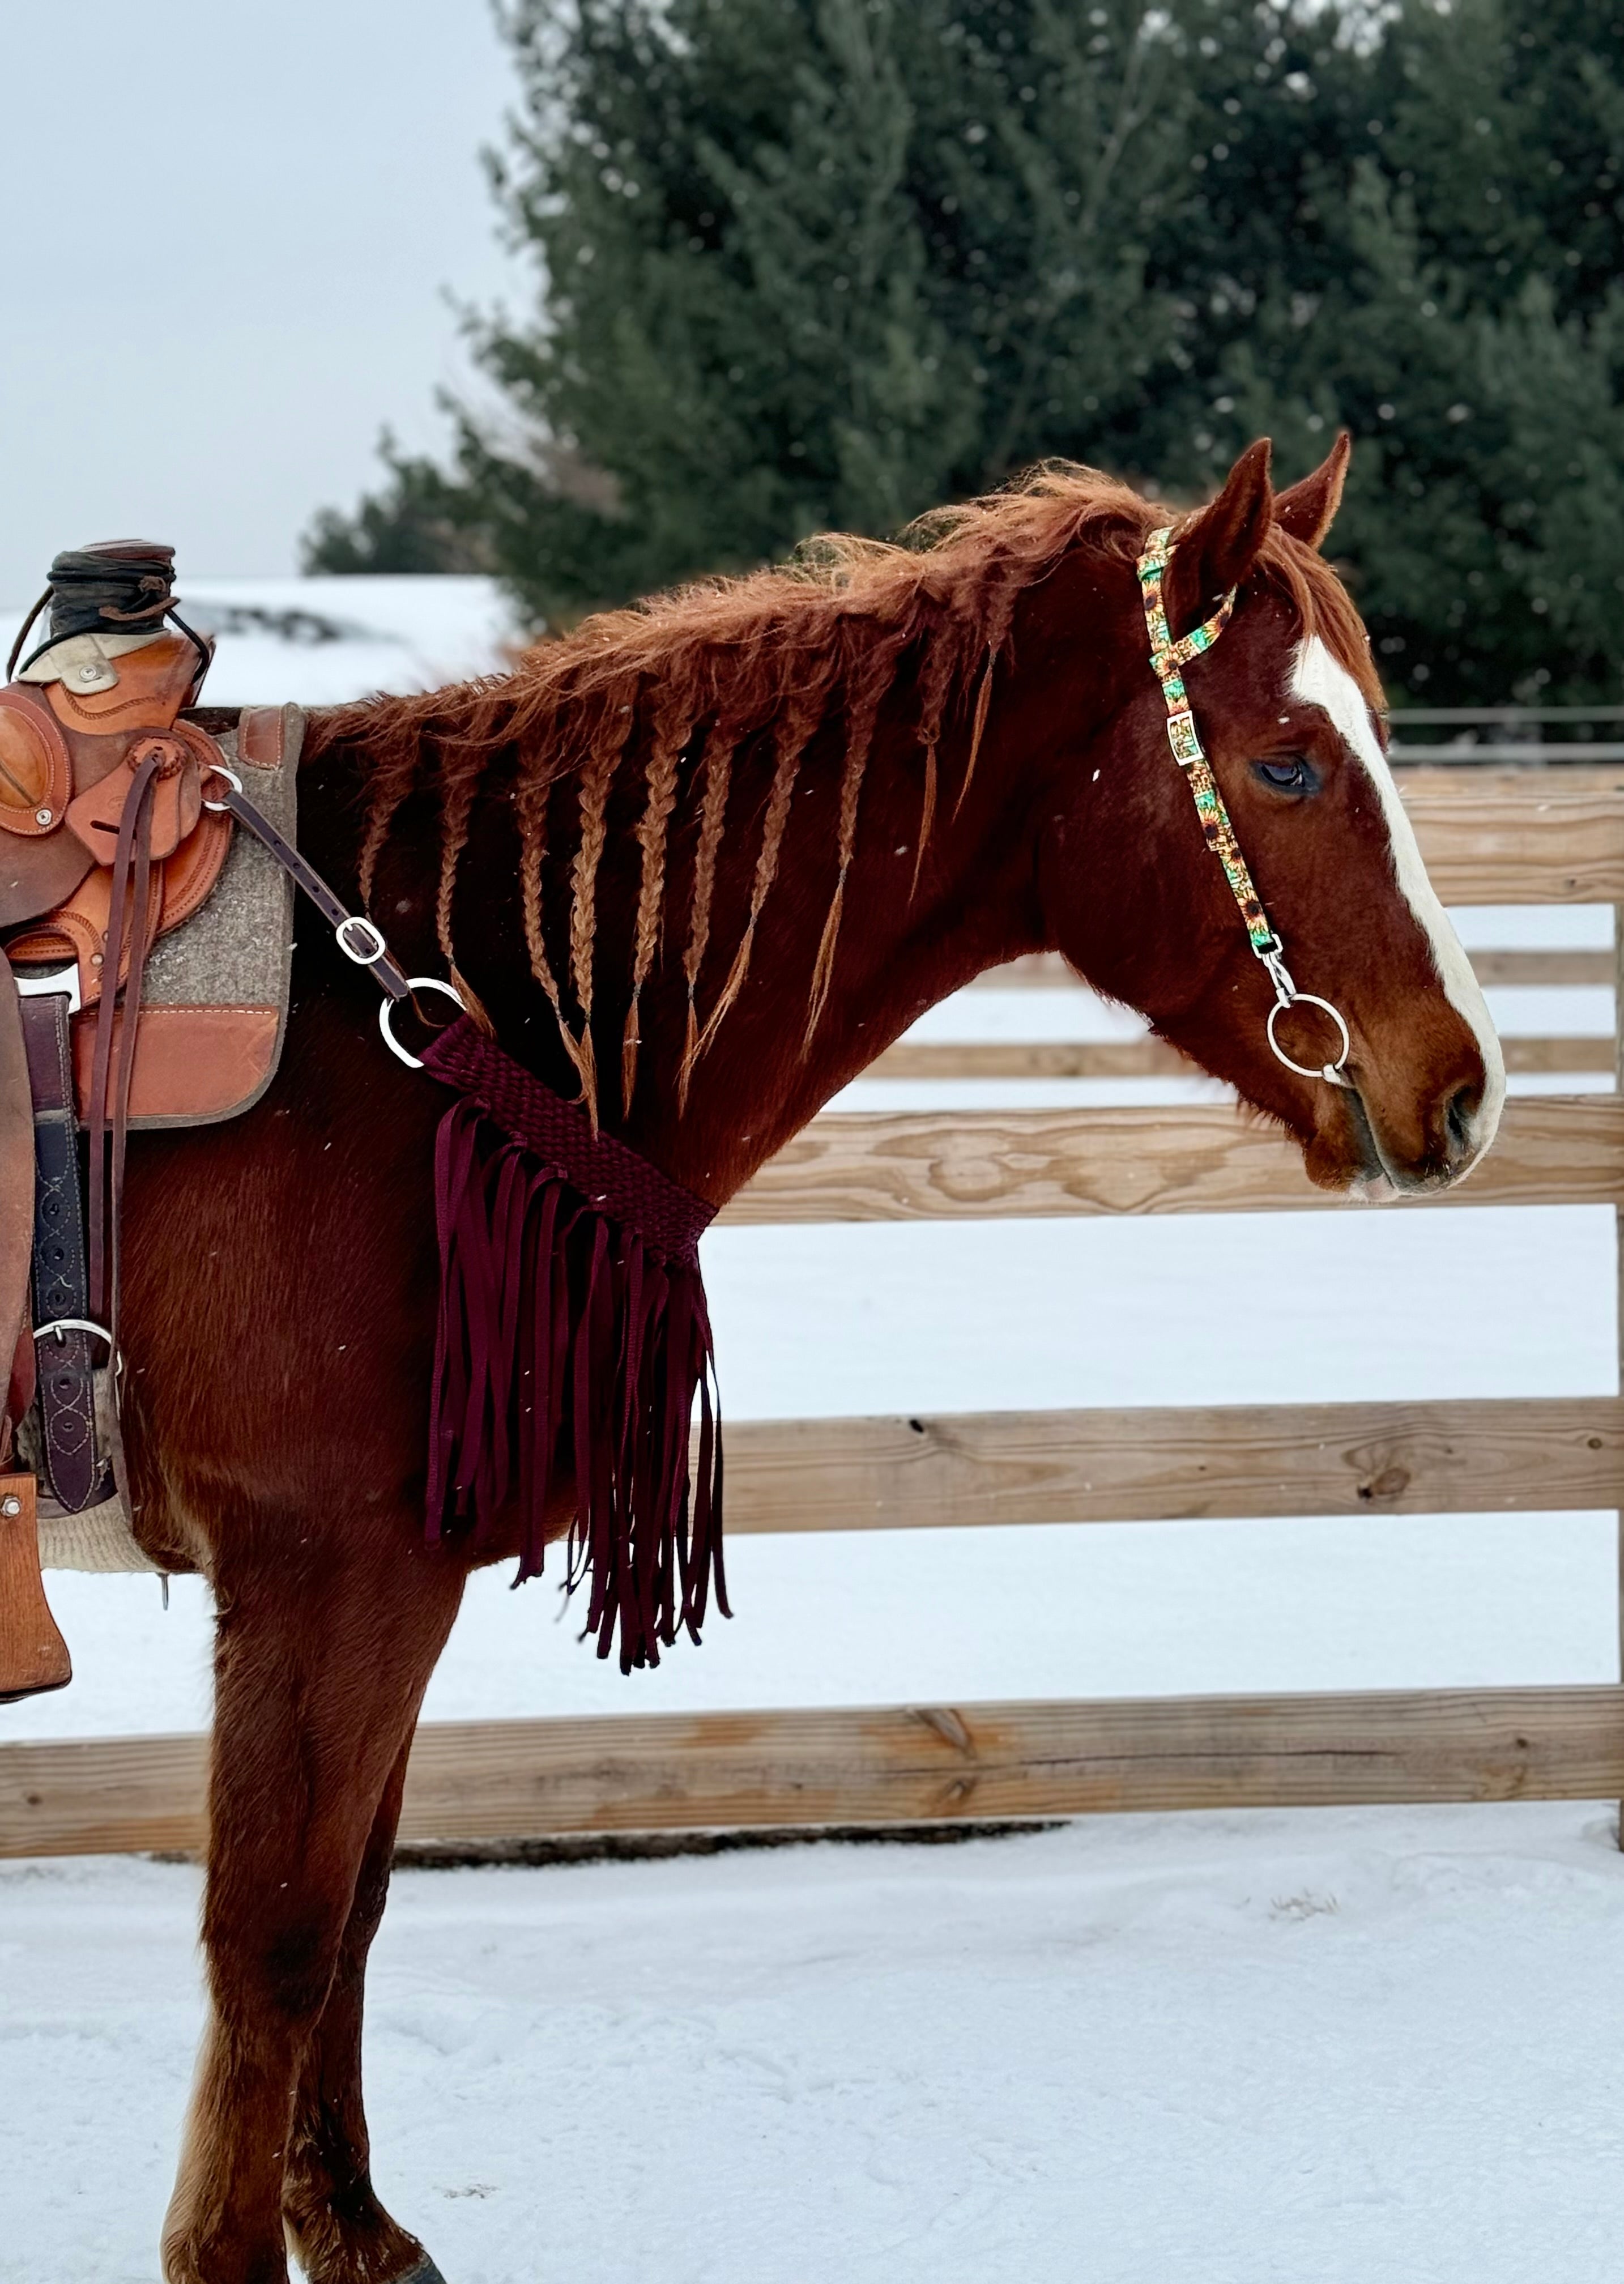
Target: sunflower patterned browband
(1167, 657)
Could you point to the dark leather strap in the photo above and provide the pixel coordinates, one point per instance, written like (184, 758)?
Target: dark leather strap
(65, 1361)
(384, 971)
(110, 1088)
(16, 1212)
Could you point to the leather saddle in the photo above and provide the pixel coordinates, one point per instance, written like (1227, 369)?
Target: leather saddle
(105, 844)
(118, 809)
(68, 759)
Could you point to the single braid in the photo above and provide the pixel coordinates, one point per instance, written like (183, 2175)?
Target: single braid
(868, 678)
(613, 728)
(672, 729)
(391, 783)
(530, 817)
(804, 711)
(998, 602)
(457, 809)
(936, 677)
(718, 774)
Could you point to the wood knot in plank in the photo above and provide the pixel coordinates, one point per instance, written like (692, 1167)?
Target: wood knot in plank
(946, 1724)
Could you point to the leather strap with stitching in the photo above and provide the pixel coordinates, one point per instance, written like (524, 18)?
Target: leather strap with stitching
(67, 1362)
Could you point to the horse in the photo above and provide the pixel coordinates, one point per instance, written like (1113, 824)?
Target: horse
(695, 864)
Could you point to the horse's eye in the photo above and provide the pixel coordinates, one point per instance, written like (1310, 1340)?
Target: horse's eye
(1291, 775)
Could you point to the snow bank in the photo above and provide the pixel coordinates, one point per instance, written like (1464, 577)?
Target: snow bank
(321, 641)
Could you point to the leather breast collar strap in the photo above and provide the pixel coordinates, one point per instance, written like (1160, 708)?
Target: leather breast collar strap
(359, 938)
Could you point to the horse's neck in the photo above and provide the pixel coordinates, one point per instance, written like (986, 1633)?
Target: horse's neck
(901, 948)
(903, 943)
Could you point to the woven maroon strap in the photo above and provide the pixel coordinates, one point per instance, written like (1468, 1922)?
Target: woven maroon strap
(610, 1176)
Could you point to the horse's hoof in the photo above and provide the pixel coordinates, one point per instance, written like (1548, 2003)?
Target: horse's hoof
(425, 2272)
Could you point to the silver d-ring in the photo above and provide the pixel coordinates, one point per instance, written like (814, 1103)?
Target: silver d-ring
(414, 983)
(219, 770)
(1331, 1072)
(372, 946)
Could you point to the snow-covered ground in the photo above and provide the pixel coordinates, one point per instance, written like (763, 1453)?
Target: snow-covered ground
(1336, 2047)
(1343, 2046)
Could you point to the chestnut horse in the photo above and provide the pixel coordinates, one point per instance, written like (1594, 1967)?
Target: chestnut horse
(698, 864)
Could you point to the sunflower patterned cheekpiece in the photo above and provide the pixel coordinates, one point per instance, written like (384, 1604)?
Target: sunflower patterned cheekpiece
(1166, 658)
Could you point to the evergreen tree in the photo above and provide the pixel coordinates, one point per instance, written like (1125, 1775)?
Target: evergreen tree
(827, 262)
(421, 522)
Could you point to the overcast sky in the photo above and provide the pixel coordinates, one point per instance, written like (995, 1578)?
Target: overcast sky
(231, 228)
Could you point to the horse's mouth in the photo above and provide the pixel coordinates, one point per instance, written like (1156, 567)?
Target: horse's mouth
(1374, 1175)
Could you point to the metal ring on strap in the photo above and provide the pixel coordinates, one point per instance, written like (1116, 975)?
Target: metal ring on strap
(1331, 1072)
(387, 1006)
(223, 769)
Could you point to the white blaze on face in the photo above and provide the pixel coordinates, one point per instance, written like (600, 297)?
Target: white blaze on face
(1318, 679)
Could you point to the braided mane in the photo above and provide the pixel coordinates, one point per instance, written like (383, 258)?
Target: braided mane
(675, 688)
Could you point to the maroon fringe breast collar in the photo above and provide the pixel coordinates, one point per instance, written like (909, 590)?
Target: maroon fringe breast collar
(573, 1339)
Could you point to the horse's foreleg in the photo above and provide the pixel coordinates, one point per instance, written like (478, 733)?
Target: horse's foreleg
(339, 2231)
(319, 1678)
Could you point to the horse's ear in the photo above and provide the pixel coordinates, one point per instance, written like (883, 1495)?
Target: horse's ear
(1307, 510)
(1217, 548)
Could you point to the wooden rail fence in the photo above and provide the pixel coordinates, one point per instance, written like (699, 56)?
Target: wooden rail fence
(1489, 836)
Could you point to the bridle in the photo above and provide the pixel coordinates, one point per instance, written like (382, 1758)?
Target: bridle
(1166, 658)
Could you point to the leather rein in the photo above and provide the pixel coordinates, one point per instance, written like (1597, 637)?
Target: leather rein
(1167, 659)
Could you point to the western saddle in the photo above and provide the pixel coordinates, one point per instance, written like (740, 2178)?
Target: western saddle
(117, 813)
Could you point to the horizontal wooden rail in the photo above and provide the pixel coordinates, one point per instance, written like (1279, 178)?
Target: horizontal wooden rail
(1518, 836)
(1148, 1464)
(1022, 1058)
(890, 1764)
(1560, 754)
(1047, 970)
(1410, 717)
(1198, 1158)
(1502, 836)
(1499, 836)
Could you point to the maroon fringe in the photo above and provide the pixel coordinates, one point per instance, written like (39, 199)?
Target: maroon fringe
(572, 1315)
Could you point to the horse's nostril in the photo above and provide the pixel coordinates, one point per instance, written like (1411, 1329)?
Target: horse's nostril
(1460, 1115)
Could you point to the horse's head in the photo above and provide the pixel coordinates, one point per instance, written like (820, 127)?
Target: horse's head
(1136, 890)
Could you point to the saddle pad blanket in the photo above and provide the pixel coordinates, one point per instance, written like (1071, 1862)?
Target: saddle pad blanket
(97, 1538)
(215, 992)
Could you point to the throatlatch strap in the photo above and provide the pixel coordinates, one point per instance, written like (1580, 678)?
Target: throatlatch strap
(1167, 657)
